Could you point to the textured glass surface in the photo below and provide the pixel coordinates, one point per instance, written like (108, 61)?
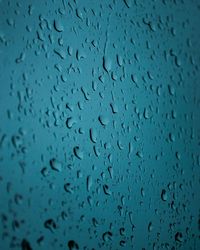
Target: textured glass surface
(100, 124)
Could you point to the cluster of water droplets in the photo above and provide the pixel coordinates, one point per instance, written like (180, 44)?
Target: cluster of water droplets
(99, 132)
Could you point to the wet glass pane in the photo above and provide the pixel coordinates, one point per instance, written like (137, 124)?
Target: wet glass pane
(100, 124)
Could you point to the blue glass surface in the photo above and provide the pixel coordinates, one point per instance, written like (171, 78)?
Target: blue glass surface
(100, 124)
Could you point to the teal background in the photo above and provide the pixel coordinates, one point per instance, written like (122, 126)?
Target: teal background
(100, 124)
